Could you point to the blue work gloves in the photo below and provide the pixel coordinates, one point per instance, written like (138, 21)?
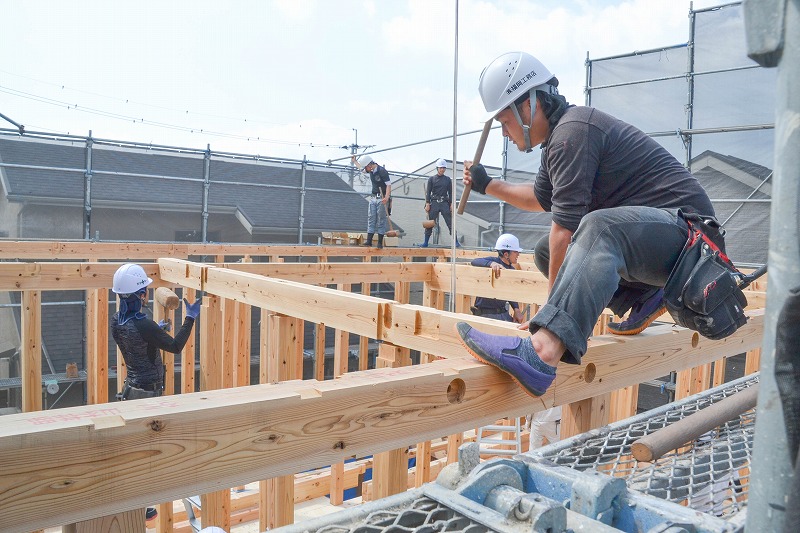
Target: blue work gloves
(193, 310)
(166, 325)
(480, 179)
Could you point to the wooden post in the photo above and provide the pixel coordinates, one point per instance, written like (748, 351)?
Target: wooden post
(341, 358)
(752, 361)
(243, 349)
(122, 369)
(97, 346)
(188, 355)
(319, 351)
(285, 346)
(390, 469)
(720, 365)
(229, 341)
(165, 520)
(579, 417)
(692, 381)
(216, 505)
(31, 357)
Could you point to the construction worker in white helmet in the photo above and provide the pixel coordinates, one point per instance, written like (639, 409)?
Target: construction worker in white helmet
(508, 250)
(617, 199)
(379, 201)
(139, 338)
(439, 200)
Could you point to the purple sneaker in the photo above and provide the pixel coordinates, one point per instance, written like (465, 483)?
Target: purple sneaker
(642, 315)
(501, 352)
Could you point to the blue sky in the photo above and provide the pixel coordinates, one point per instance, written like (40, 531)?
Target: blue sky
(289, 78)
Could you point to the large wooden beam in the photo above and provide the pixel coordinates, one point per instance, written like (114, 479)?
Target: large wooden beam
(137, 251)
(229, 437)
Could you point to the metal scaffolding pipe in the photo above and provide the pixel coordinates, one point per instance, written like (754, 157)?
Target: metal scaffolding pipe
(773, 39)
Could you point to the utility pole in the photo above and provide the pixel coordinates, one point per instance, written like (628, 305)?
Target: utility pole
(353, 151)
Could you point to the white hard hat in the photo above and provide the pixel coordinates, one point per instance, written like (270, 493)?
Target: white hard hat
(365, 160)
(129, 278)
(441, 163)
(508, 77)
(212, 529)
(507, 242)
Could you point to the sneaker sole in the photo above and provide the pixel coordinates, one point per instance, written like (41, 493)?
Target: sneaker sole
(652, 318)
(527, 391)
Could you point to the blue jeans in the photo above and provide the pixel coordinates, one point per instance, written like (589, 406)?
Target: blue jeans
(635, 245)
(376, 216)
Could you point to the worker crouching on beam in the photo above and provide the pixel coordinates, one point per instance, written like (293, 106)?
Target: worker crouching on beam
(617, 199)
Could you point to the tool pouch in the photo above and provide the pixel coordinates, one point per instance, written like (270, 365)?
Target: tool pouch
(702, 292)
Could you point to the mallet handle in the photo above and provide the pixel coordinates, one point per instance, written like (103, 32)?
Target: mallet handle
(475, 160)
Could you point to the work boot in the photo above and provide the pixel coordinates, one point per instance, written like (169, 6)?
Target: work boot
(425, 242)
(380, 241)
(150, 513)
(642, 315)
(512, 355)
(369, 239)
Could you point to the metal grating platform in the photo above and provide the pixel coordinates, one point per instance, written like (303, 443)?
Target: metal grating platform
(710, 475)
(588, 483)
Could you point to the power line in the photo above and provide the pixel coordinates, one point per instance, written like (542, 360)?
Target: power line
(158, 124)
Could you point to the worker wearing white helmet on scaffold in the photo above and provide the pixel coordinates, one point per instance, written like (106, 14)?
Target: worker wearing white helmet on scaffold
(379, 206)
(438, 200)
(621, 206)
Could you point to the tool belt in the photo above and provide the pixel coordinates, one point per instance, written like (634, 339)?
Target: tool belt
(704, 289)
(135, 392)
(440, 199)
(480, 311)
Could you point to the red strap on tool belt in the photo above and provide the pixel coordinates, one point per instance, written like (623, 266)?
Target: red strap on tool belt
(696, 233)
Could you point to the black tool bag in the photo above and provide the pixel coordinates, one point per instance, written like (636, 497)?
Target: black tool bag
(704, 289)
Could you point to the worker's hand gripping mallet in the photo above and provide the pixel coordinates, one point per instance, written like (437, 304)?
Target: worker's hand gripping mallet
(477, 159)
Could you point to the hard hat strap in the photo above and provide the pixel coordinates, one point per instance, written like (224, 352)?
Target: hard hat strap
(526, 129)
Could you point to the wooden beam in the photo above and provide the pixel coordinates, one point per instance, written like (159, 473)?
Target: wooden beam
(71, 250)
(31, 346)
(236, 436)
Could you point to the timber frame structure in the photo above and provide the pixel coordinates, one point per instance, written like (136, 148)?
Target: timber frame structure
(95, 467)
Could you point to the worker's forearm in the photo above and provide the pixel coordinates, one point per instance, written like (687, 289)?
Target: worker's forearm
(519, 195)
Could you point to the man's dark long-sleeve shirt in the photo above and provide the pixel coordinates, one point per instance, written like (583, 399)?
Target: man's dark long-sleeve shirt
(439, 189)
(140, 342)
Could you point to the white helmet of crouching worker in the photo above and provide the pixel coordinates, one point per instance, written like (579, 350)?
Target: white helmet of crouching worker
(441, 163)
(509, 79)
(507, 243)
(130, 278)
(364, 161)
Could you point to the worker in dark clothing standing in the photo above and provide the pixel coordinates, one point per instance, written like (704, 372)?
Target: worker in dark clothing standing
(508, 250)
(139, 338)
(617, 198)
(438, 199)
(378, 213)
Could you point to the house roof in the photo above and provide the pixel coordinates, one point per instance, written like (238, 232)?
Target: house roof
(265, 196)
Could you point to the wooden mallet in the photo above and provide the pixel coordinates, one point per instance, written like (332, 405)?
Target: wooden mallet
(475, 160)
(166, 298)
